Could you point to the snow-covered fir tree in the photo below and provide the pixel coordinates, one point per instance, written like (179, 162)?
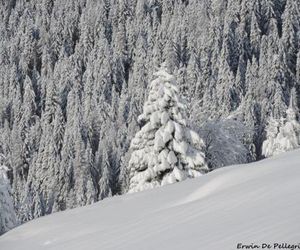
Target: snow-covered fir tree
(165, 150)
(283, 134)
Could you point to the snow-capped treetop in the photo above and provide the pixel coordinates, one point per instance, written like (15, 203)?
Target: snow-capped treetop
(292, 110)
(165, 150)
(159, 99)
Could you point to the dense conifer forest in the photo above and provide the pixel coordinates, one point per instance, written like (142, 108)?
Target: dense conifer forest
(75, 74)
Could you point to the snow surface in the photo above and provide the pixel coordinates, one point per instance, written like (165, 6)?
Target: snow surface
(252, 203)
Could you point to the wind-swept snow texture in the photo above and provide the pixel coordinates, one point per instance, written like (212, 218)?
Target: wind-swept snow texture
(253, 203)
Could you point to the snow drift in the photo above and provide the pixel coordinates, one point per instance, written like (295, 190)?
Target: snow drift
(254, 203)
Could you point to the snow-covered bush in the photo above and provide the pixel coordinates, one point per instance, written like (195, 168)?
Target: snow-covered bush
(284, 134)
(227, 143)
(165, 150)
(8, 218)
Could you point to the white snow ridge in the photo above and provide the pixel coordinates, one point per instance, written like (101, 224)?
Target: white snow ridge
(247, 204)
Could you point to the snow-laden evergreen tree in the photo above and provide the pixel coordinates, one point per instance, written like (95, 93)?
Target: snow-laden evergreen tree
(8, 219)
(283, 135)
(165, 150)
(272, 131)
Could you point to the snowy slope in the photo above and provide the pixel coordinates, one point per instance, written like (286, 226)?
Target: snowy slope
(254, 203)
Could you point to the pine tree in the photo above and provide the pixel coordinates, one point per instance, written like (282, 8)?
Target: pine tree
(291, 27)
(165, 150)
(104, 183)
(28, 120)
(8, 219)
(84, 189)
(255, 36)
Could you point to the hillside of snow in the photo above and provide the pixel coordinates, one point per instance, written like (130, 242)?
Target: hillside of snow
(253, 203)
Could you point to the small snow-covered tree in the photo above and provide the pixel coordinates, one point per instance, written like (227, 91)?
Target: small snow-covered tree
(165, 150)
(272, 131)
(8, 219)
(283, 135)
(227, 142)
